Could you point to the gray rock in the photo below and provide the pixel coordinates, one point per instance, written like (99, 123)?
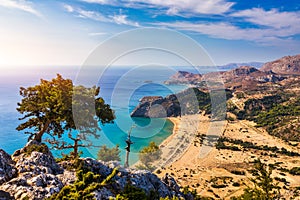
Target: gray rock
(40, 177)
(148, 182)
(97, 167)
(37, 163)
(68, 177)
(103, 194)
(37, 187)
(7, 169)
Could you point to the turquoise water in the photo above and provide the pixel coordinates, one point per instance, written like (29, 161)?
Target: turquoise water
(121, 87)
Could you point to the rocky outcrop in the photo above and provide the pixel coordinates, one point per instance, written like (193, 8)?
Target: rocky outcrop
(36, 176)
(7, 167)
(159, 107)
(183, 77)
(241, 71)
(286, 65)
(189, 101)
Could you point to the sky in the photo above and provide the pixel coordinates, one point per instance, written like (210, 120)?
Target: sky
(65, 32)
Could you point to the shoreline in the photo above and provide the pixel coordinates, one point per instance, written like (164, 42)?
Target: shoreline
(176, 125)
(175, 146)
(175, 121)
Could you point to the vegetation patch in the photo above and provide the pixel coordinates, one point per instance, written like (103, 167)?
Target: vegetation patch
(295, 171)
(221, 182)
(42, 148)
(84, 186)
(249, 145)
(237, 172)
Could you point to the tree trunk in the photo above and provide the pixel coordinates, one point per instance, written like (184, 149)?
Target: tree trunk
(38, 136)
(75, 148)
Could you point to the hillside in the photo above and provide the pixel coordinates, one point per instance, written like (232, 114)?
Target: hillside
(289, 65)
(231, 66)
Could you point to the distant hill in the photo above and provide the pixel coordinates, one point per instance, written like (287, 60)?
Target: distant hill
(285, 65)
(243, 77)
(249, 73)
(236, 65)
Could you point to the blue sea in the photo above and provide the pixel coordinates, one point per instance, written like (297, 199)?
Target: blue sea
(121, 87)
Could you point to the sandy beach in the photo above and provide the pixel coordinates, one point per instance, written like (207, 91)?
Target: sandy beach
(176, 123)
(182, 159)
(184, 132)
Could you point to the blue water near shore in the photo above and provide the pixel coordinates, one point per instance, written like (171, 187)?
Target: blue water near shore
(120, 87)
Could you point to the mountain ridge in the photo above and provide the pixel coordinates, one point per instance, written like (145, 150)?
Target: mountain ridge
(288, 65)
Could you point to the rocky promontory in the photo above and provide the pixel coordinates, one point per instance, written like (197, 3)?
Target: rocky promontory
(183, 77)
(189, 101)
(157, 106)
(36, 175)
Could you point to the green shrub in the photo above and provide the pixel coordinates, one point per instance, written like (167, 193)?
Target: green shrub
(83, 187)
(132, 192)
(237, 172)
(218, 186)
(295, 171)
(236, 184)
(43, 148)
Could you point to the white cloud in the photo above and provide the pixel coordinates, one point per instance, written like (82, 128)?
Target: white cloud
(68, 8)
(272, 18)
(97, 34)
(222, 30)
(175, 6)
(194, 6)
(122, 19)
(20, 5)
(92, 15)
(172, 11)
(118, 19)
(97, 1)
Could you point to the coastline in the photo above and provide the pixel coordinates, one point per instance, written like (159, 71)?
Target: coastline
(176, 125)
(177, 144)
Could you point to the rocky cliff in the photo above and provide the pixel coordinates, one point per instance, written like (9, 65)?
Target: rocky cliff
(189, 101)
(285, 65)
(36, 175)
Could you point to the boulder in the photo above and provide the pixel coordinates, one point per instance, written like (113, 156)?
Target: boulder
(7, 168)
(37, 163)
(33, 187)
(36, 174)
